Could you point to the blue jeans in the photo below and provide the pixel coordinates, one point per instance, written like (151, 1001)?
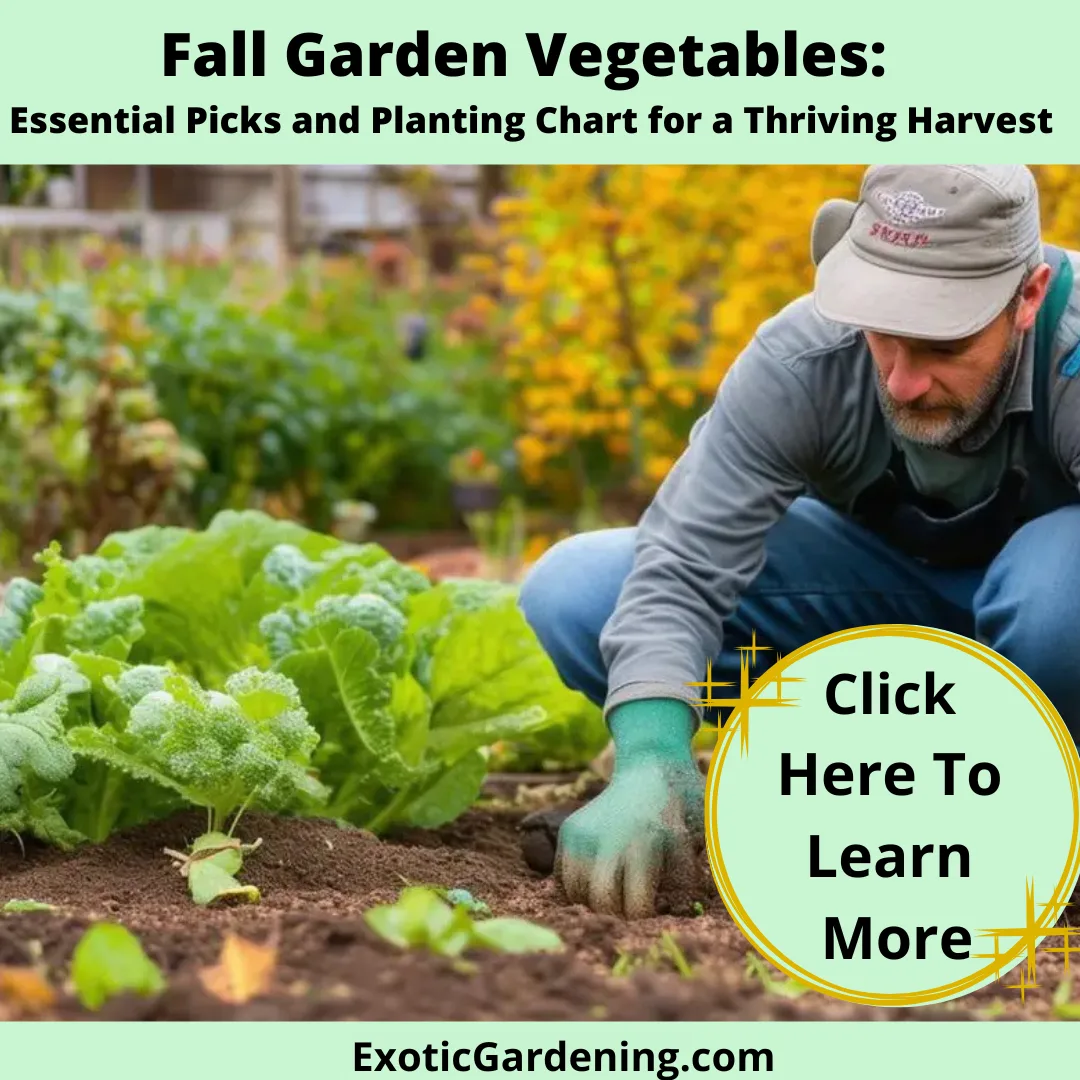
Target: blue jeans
(824, 573)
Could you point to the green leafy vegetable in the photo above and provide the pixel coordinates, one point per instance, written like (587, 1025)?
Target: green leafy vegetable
(222, 751)
(108, 627)
(109, 960)
(20, 596)
(421, 918)
(258, 663)
(35, 758)
(16, 906)
(393, 751)
(99, 799)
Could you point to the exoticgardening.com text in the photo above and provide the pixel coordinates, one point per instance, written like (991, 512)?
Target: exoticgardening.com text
(490, 1057)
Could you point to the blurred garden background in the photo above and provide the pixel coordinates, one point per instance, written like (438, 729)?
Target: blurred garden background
(462, 363)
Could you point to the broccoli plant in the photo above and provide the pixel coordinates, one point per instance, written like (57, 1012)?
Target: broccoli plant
(248, 746)
(34, 757)
(20, 596)
(291, 628)
(395, 693)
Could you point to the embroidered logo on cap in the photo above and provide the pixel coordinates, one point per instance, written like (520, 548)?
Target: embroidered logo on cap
(908, 207)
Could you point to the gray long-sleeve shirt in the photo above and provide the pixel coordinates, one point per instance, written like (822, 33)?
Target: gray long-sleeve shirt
(798, 412)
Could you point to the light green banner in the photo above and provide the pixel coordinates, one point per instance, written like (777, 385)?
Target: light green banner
(662, 1051)
(640, 70)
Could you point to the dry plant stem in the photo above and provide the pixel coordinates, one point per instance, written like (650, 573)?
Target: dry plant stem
(627, 333)
(182, 860)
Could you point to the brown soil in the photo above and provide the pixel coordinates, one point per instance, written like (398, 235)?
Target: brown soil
(317, 879)
(405, 546)
(442, 563)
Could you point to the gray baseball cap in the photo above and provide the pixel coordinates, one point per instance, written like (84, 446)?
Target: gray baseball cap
(928, 251)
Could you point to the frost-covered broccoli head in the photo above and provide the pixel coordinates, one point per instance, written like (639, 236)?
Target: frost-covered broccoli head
(20, 596)
(72, 680)
(395, 582)
(102, 620)
(287, 566)
(135, 683)
(283, 631)
(365, 611)
(32, 735)
(253, 740)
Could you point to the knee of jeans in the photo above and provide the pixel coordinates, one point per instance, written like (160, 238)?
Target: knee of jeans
(551, 595)
(1024, 608)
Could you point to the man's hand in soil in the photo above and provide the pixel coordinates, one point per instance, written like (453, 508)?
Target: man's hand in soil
(648, 825)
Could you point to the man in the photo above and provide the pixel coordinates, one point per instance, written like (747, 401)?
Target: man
(901, 446)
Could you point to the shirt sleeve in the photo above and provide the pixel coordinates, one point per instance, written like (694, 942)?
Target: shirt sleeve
(702, 539)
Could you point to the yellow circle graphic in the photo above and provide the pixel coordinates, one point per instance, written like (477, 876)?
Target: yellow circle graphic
(735, 732)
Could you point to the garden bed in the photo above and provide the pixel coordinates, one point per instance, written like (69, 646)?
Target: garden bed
(317, 880)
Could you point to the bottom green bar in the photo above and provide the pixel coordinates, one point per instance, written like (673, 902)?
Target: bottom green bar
(664, 1051)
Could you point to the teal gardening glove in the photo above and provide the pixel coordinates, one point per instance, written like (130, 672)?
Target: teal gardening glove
(648, 823)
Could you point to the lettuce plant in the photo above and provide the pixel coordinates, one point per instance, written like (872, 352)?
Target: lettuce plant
(35, 758)
(258, 663)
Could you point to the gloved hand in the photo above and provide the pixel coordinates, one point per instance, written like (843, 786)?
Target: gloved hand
(614, 853)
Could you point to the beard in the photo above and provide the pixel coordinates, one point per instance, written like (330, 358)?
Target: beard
(951, 419)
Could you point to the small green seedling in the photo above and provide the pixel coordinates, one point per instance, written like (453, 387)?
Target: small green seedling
(1063, 1006)
(464, 898)
(421, 918)
(665, 953)
(109, 960)
(26, 905)
(211, 868)
(456, 897)
(787, 988)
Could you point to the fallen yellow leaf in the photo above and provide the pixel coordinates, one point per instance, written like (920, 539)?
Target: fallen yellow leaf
(243, 971)
(24, 991)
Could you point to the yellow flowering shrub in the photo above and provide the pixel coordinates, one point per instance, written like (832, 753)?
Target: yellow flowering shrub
(633, 288)
(1059, 200)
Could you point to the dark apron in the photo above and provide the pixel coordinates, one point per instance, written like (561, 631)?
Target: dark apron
(931, 530)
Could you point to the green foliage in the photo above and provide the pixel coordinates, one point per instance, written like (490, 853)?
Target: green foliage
(665, 954)
(35, 757)
(257, 663)
(13, 907)
(422, 919)
(84, 449)
(109, 960)
(408, 684)
(1064, 1008)
(20, 596)
(211, 867)
(465, 898)
(313, 396)
(248, 745)
(783, 987)
(136, 393)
